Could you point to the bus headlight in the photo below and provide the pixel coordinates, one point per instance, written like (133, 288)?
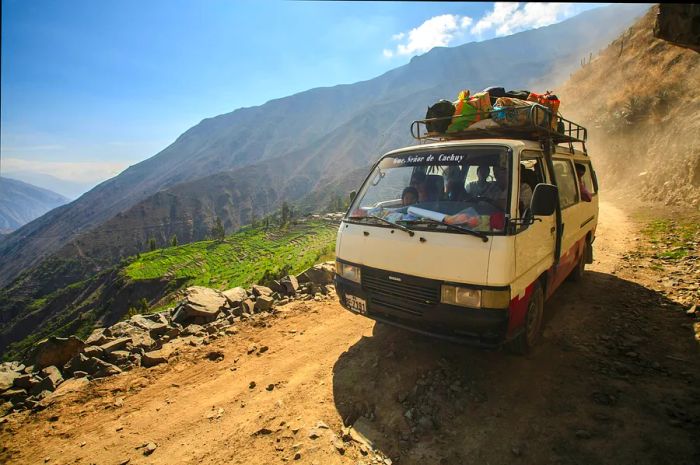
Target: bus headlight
(474, 298)
(349, 272)
(462, 296)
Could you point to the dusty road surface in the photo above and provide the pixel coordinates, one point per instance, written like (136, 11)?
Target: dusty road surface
(615, 381)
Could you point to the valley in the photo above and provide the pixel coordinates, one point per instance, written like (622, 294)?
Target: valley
(150, 281)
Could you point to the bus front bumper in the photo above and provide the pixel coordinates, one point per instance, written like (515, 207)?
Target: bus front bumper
(485, 328)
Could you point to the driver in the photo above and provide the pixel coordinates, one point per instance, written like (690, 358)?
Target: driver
(479, 187)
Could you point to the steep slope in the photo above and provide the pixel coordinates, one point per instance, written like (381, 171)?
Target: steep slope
(21, 203)
(641, 102)
(292, 126)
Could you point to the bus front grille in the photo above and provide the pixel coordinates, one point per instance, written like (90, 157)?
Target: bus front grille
(409, 295)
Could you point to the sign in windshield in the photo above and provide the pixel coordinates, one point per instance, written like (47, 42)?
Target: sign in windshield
(468, 188)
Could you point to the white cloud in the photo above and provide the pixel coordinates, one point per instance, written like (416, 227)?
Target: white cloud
(504, 19)
(67, 171)
(437, 31)
(509, 18)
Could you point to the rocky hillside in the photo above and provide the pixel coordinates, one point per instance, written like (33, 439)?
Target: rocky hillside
(640, 100)
(148, 340)
(150, 281)
(21, 203)
(313, 135)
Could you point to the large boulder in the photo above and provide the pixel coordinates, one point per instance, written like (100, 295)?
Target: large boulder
(263, 303)
(7, 379)
(248, 306)
(93, 366)
(121, 358)
(291, 284)
(12, 366)
(319, 274)
(51, 378)
(201, 304)
(96, 338)
(154, 328)
(26, 381)
(77, 363)
(116, 344)
(56, 351)
(100, 369)
(235, 296)
(93, 351)
(139, 336)
(14, 395)
(278, 287)
(261, 290)
(193, 330)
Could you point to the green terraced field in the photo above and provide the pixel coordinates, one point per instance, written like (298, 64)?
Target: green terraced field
(242, 258)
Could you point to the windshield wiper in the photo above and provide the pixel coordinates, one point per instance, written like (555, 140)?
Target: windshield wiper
(481, 235)
(374, 217)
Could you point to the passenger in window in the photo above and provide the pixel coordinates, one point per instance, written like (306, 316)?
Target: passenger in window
(479, 187)
(455, 190)
(420, 184)
(497, 191)
(580, 171)
(525, 190)
(409, 196)
(434, 189)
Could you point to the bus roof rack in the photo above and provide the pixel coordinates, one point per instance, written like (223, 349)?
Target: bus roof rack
(530, 122)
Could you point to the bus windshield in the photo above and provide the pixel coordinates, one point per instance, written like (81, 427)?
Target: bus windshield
(465, 187)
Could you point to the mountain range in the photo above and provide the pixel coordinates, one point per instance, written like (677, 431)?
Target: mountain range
(21, 203)
(302, 149)
(70, 189)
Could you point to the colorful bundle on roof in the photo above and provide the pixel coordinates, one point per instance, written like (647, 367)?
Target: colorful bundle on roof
(490, 108)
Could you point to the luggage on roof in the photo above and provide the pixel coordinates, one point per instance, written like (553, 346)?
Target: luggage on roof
(495, 112)
(469, 110)
(441, 113)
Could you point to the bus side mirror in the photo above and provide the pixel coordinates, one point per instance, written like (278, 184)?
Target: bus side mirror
(352, 196)
(544, 200)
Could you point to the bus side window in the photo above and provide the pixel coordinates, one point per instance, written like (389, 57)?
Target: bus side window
(588, 178)
(567, 182)
(531, 174)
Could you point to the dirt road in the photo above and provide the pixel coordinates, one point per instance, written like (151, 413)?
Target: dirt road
(615, 381)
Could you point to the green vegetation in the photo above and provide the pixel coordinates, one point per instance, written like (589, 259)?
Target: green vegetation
(242, 258)
(674, 239)
(252, 255)
(217, 231)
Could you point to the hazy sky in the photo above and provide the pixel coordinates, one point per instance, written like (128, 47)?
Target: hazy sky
(91, 87)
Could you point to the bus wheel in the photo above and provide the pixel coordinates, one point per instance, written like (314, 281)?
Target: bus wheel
(528, 338)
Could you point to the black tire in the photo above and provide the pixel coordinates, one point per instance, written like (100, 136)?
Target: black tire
(534, 317)
(577, 273)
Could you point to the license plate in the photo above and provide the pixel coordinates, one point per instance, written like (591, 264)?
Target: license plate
(356, 304)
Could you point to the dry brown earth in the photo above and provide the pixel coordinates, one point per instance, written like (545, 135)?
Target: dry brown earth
(615, 381)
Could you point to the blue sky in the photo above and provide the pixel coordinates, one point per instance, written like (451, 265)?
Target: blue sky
(91, 87)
